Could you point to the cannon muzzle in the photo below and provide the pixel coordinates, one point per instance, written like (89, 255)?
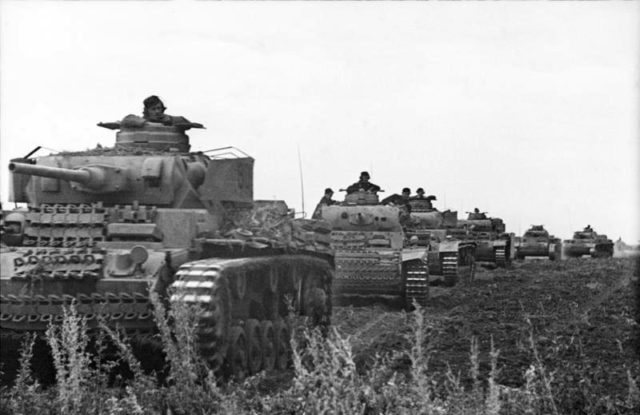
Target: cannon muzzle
(89, 177)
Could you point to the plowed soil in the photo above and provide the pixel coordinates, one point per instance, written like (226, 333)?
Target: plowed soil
(577, 317)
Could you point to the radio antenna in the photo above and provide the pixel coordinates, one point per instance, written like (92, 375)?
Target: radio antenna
(301, 180)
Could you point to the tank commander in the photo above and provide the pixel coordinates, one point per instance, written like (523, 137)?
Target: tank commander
(405, 197)
(363, 184)
(426, 200)
(401, 200)
(327, 200)
(153, 112)
(406, 193)
(420, 195)
(476, 214)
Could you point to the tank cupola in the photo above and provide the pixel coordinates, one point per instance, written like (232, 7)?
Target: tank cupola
(153, 136)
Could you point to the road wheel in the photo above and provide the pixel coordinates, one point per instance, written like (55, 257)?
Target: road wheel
(268, 345)
(239, 285)
(237, 354)
(254, 349)
(283, 344)
(314, 299)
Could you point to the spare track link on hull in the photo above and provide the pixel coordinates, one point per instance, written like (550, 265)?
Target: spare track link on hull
(14, 338)
(26, 313)
(501, 257)
(242, 327)
(450, 269)
(417, 284)
(363, 273)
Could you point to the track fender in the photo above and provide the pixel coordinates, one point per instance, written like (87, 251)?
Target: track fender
(449, 246)
(414, 254)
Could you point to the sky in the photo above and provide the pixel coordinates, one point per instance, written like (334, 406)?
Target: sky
(526, 110)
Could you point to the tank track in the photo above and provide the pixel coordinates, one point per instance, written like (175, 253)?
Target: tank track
(501, 257)
(242, 326)
(450, 269)
(416, 283)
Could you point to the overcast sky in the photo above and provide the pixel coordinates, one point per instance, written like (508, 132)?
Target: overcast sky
(527, 110)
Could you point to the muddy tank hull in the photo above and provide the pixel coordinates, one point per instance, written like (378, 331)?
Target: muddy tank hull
(495, 247)
(451, 258)
(588, 242)
(236, 293)
(37, 283)
(451, 261)
(498, 252)
(370, 258)
(576, 249)
(107, 269)
(400, 277)
(553, 251)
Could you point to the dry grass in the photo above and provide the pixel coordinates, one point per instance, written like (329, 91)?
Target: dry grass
(324, 378)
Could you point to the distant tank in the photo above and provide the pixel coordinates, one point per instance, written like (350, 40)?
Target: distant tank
(104, 225)
(494, 245)
(370, 254)
(450, 258)
(588, 242)
(537, 242)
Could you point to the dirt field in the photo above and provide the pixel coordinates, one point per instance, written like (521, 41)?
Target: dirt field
(576, 317)
(573, 321)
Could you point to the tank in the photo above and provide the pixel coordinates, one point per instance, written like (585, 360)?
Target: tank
(104, 228)
(371, 260)
(450, 257)
(537, 242)
(588, 242)
(495, 247)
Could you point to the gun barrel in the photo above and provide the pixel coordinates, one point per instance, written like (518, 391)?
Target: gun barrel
(72, 175)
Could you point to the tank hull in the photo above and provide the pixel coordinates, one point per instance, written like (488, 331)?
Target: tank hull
(397, 276)
(371, 262)
(450, 258)
(552, 251)
(496, 252)
(451, 261)
(537, 242)
(574, 249)
(588, 242)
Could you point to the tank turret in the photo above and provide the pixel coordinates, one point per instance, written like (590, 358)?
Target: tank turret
(140, 173)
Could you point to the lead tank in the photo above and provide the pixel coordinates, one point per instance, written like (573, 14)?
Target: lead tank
(370, 254)
(104, 227)
(537, 242)
(450, 257)
(588, 242)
